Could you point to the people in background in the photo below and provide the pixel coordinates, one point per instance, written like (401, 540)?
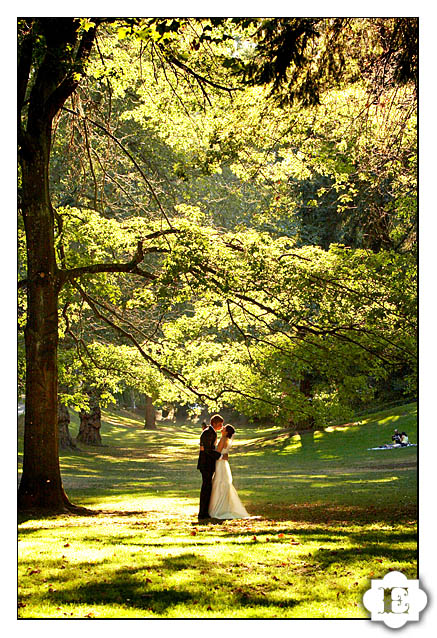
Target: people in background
(404, 439)
(396, 438)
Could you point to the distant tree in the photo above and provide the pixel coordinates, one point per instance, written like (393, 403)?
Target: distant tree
(302, 57)
(90, 422)
(65, 440)
(150, 416)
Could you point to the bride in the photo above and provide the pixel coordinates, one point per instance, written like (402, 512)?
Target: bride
(224, 502)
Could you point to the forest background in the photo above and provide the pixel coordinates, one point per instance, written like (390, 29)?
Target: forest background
(229, 221)
(308, 414)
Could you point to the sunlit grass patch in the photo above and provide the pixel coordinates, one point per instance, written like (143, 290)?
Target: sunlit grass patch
(133, 566)
(333, 515)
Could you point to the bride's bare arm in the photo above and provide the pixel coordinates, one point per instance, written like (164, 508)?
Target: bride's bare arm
(222, 444)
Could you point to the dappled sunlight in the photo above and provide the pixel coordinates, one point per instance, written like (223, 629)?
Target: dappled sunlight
(379, 480)
(151, 562)
(408, 411)
(328, 508)
(128, 423)
(389, 419)
(342, 428)
(163, 506)
(267, 463)
(215, 215)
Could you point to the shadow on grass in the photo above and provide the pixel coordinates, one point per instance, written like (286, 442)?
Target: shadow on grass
(254, 599)
(124, 589)
(299, 513)
(204, 585)
(128, 586)
(215, 582)
(348, 514)
(366, 550)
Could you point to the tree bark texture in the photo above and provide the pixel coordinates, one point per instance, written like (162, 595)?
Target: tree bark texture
(46, 78)
(150, 419)
(65, 440)
(40, 485)
(90, 424)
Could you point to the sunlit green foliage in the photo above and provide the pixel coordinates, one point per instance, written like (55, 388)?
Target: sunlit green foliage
(243, 318)
(287, 286)
(270, 315)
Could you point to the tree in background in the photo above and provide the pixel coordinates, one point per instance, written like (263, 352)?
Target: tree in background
(148, 247)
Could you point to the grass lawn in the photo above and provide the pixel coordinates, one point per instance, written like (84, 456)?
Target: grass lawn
(333, 516)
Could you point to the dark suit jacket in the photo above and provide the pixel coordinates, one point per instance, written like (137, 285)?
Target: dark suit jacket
(209, 455)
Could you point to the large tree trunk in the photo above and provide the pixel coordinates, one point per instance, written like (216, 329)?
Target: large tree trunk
(150, 420)
(40, 485)
(90, 423)
(46, 78)
(65, 440)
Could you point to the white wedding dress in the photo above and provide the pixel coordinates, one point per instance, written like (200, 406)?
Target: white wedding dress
(224, 502)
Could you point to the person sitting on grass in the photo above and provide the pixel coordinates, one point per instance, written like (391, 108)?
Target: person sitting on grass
(396, 438)
(404, 439)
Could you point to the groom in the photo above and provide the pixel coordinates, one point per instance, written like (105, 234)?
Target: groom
(206, 463)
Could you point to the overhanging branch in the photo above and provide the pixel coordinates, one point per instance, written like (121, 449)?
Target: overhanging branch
(171, 374)
(175, 376)
(199, 78)
(132, 267)
(129, 155)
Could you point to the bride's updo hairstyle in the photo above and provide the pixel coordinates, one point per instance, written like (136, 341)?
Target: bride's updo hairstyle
(230, 430)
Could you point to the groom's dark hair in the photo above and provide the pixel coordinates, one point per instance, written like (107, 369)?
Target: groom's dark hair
(216, 418)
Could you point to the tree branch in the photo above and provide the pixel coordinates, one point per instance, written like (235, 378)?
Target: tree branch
(199, 78)
(175, 376)
(128, 267)
(72, 77)
(130, 156)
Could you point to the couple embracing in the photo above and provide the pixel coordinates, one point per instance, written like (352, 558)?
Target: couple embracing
(218, 497)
